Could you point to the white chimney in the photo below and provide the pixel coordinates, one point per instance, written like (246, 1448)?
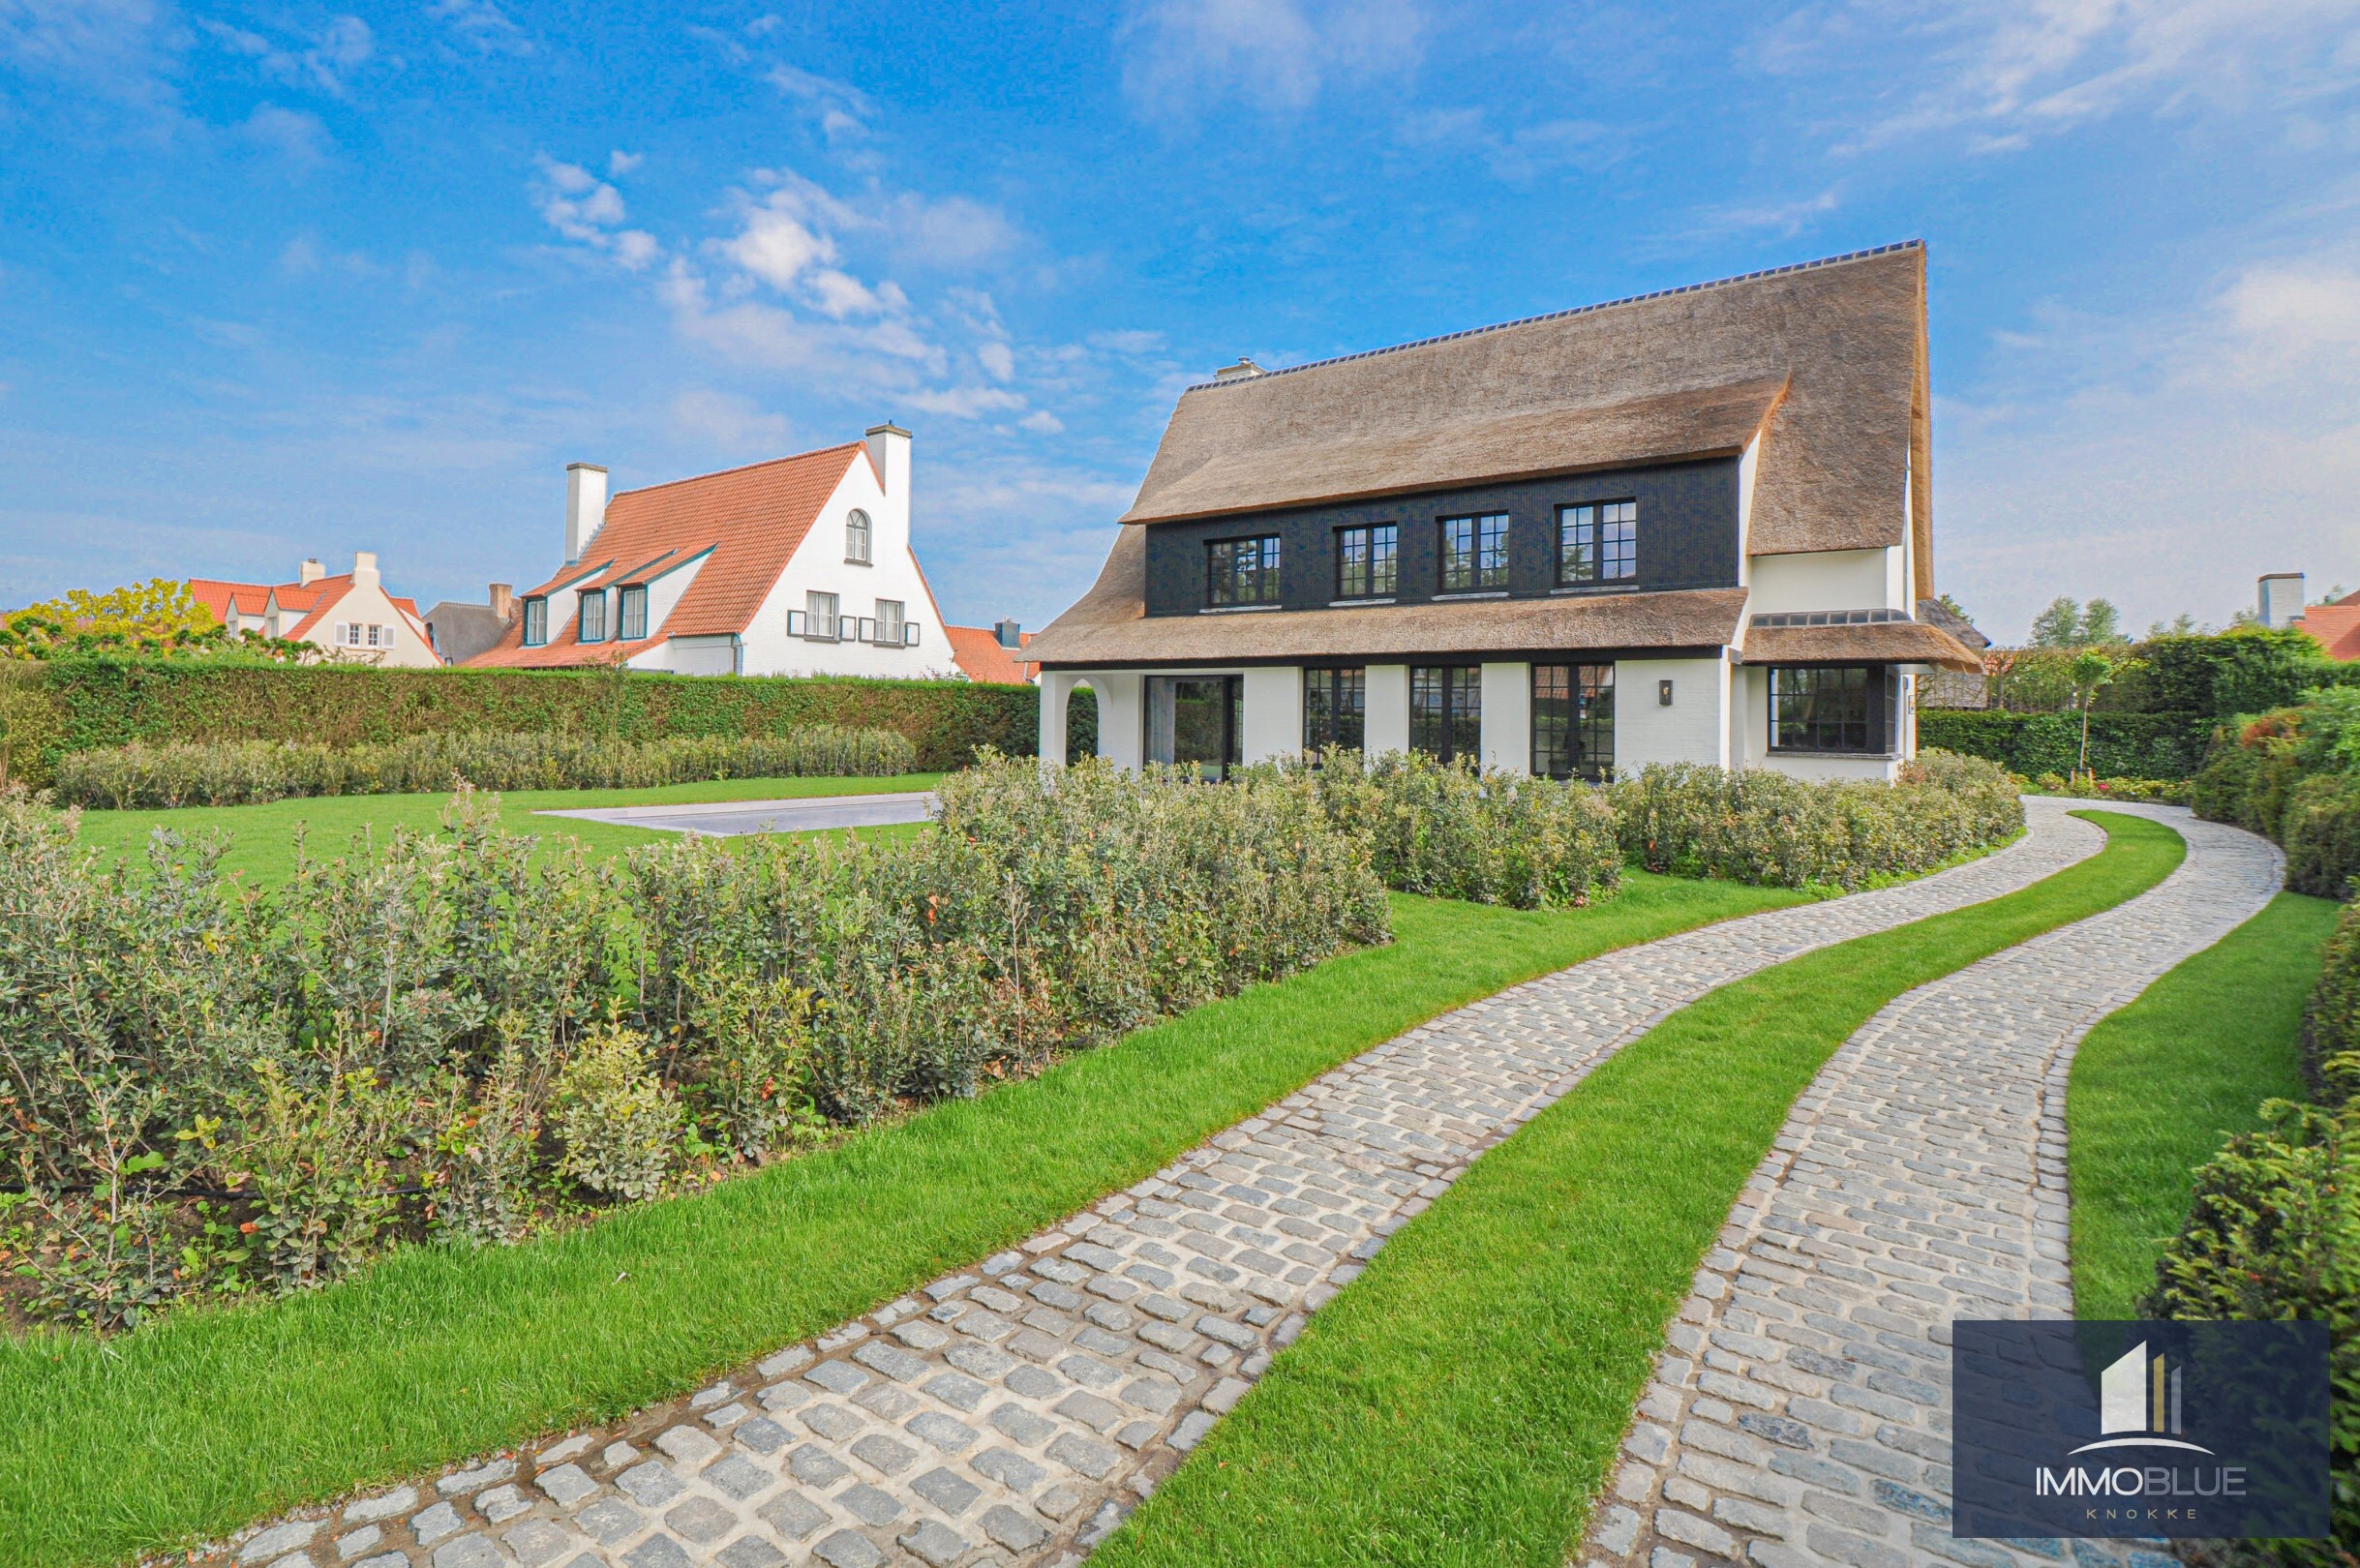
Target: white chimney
(364, 568)
(585, 507)
(2282, 598)
(311, 571)
(888, 448)
(1238, 371)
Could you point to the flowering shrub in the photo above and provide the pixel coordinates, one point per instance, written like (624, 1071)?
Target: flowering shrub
(237, 772)
(208, 1087)
(2164, 790)
(1760, 826)
(1452, 832)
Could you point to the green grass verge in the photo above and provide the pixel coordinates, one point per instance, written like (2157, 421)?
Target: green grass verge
(1463, 1401)
(2159, 1086)
(216, 1417)
(262, 836)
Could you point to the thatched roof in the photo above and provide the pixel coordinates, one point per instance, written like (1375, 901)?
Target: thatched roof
(1827, 360)
(1886, 642)
(1108, 627)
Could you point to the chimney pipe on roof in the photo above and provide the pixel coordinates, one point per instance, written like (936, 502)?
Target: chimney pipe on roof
(1007, 633)
(2282, 598)
(364, 568)
(1238, 371)
(504, 599)
(584, 507)
(311, 571)
(888, 448)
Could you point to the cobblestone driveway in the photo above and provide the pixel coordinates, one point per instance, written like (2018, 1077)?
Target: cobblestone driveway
(1015, 1413)
(1800, 1415)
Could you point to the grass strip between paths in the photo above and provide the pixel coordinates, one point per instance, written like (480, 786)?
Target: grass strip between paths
(2223, 1032)
(1462, 1403)
(262, 836)
(211, 1419)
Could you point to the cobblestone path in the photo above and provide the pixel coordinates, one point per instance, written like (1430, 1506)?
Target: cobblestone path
(1800, 1414)
(1013, 1414)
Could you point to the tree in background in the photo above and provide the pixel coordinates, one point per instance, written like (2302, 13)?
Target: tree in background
(160, 616)
(2090, 670)
(2066, 623)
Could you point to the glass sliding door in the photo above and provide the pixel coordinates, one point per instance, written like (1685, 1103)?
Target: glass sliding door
(1447, 710)
(1195, 722)
(1573, 721)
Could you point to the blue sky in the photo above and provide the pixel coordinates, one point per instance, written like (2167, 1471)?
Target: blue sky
(288, 279)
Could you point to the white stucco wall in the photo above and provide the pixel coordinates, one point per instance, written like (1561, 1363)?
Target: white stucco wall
(818, 566)
(1122, 714)
(1508, 717)
(1749, 464)
(1835, 767)
(367, 603)
(1387, 726)
(1748, 716)
(1056, 695)
(1694, 729)
(1273, 697)
(1829, 580)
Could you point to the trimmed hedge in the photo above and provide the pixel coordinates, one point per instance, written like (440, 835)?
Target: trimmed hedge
(2129, 745)
(239, 772)
(66, 705)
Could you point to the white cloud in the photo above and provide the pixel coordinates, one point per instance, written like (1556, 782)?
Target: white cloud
(119, 49)
(2161, 465)
(731, 424)
(842, 109)
(620, 163)
(483, 26)
(2005, 74)
(776, 246)
(1784, 219)
(1526, 153)
(588, 210)
(1273, 55)
(295, 135)
(997, 359)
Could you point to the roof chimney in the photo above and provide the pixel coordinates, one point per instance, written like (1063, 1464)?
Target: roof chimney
(364, 568)
(584, 507)
(1007, 633)
(1238, 371)
(311, 571)
(2282, 598)
(888, 448)
(502, 600)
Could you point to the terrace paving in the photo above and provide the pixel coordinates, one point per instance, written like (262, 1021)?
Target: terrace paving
(1015, 1413)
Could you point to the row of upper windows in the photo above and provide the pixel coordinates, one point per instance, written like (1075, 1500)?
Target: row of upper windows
(590, 617)
(362, 634)
(1596, 543)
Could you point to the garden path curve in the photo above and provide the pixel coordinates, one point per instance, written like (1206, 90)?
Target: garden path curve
(1800, 1415)
(1015, 1415)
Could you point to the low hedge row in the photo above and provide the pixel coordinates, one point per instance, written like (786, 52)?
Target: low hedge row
(2130, 746)
(239, 772)
(2293, 775)
(84, 704)
(440, 1036)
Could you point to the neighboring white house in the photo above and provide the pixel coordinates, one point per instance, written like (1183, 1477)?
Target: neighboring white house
(1689, 527)
(350, 614)
(797, 567)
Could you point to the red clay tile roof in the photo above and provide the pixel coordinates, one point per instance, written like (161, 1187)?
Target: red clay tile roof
(2335, 627)
(980, 653)
(324, 595)
(750, 518)
(218, 596)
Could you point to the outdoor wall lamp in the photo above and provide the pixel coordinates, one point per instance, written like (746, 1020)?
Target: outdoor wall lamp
(1663, 693)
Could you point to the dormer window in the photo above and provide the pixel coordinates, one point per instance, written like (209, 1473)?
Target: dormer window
(634, 603)
(855, 537)
(1242, 571)
(594, 617)
(1475, 552)
(1597, 543)
(536, 622)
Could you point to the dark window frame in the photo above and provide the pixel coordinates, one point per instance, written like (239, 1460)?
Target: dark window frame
(536, 622)
(1336, 708)
(1458, 682)
(582, 610)
(1484, 565)
(1265, 574)
(631, 603)
(1584, 525)
(1834, 733)
(1580, 698)
(1371, 542)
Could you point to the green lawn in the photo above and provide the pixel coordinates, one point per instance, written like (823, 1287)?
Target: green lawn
(262, 836)
(2159, 1087)
(215, 1417)
(1463, 1401)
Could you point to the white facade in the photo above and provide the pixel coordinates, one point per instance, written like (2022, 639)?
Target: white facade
(361, 625)
(1713, 709)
